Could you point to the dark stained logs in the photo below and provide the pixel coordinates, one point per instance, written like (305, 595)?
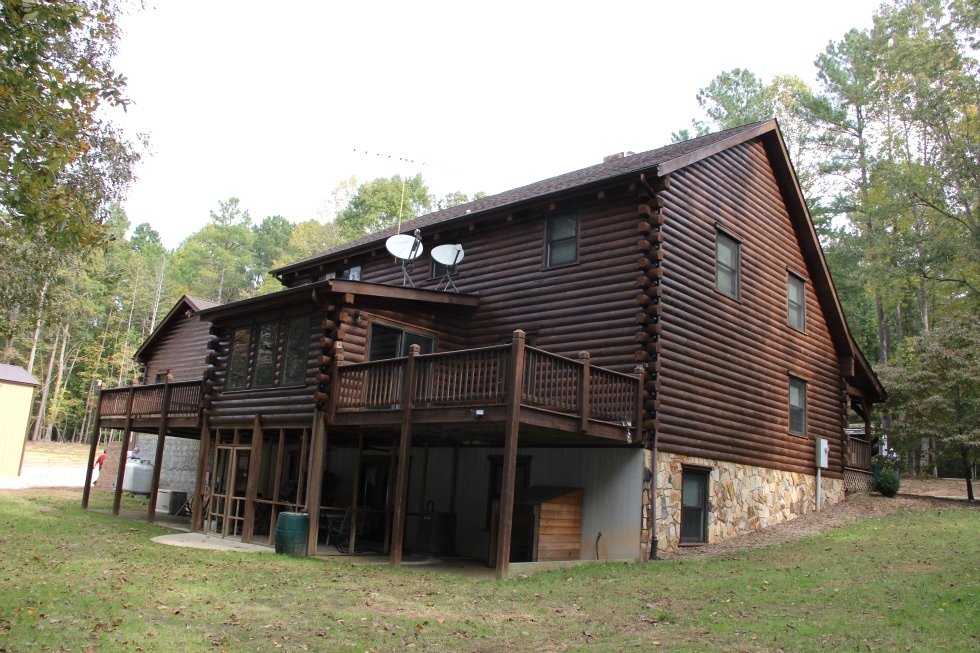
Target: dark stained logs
(726, 362)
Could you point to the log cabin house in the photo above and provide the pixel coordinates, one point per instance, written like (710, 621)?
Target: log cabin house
(657, 336)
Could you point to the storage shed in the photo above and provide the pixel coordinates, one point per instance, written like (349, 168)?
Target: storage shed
(547, 524)
(16, 398)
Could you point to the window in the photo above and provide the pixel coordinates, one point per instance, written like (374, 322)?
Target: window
(797, 406)
(297, 349)
(265, 356)
(238, 365)
(562, 240)
(727, 264)
(797, 302)
(389, 342)
(694, 506)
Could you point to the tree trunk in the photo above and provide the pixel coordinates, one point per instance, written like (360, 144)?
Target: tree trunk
(156, 300)
(967, 471)
(37, 327)
(883, 344)
(39, 431)
(56, 401)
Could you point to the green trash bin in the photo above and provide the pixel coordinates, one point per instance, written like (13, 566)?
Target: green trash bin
(876, 471)
(292, 533)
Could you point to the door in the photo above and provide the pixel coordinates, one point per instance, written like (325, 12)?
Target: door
(694, 507)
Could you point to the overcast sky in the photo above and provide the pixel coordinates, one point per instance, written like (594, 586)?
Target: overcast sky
(268, 102)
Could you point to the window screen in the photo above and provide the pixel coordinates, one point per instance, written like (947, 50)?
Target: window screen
(797, 302)
(797, 406)
(562, 240)
(727, 265)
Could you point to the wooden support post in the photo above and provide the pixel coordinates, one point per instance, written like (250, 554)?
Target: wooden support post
(389, 496)
(158, 457)
(316, 481)
(452, 482)
(353, 496)
(93, 449)
(404, 451)
(201, 479)
(123, 453)
(252, 483)
(583, 390)
(425, 474)
(514, 391)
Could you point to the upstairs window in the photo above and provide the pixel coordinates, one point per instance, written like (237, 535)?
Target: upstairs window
(238, 363)
(797, 406)
(265, 356)
(296, 350)
(796, 293)
(562, 240)
(727, 265)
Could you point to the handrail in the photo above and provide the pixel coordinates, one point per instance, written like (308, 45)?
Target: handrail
(185, 399)
(479, 377)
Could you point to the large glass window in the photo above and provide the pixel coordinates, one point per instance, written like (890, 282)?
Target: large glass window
(389, 342)
(727, 265)
(297, 348)
(797, 406)
(562, 240)
(265, 356)
(238, 365)
(797, 302)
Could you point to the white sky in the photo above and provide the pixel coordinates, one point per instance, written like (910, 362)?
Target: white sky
(268, 101)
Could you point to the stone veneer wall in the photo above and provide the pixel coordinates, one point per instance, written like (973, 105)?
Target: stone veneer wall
(741, 498)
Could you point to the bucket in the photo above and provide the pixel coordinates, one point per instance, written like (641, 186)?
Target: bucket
(292, 532)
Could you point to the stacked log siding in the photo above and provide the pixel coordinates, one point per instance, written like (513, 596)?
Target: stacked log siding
(178, 350)
(727, 362)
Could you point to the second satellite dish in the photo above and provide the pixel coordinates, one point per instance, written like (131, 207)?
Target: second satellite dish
(449, 256)
(406, 248)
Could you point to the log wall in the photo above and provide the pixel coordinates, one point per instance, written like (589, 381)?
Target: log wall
(180, 349)
(726, 363)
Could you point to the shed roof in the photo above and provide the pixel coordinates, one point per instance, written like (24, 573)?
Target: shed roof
(16, 374)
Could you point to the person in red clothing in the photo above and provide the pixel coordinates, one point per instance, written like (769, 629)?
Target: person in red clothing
(98, 465)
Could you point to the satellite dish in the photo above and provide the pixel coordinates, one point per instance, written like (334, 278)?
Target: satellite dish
(448, 255)
(405, 248)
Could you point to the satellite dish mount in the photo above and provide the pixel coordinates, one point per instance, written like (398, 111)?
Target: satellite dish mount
(406, 249)
(448, 256)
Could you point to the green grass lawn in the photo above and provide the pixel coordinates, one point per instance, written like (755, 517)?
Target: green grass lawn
(81, 581)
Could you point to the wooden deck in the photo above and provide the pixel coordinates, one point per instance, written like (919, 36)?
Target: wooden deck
(562, 401)
(143, 405)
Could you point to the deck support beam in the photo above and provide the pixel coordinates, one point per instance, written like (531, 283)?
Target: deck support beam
(515, 385)
(353, 497)
(404, 451)
(123, 452)
(252, 485)
(315, 486)
(197, 516)
(151, 512)
(87, 490)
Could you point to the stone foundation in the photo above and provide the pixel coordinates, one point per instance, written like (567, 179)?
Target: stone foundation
(179, 471)
(741, 498)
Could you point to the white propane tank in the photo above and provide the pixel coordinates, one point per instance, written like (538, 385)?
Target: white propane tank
(138, 477)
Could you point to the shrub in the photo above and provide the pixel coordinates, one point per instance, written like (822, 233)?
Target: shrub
(887, 482)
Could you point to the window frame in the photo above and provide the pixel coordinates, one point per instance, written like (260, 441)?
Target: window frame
(800, 384)
(245, 355)
(275, 333)
(735, 270)
(400, 349)
(792, 278)
(549, 241)
(704, 476)
(286, 352)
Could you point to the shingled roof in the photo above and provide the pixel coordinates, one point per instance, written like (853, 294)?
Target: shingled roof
(662, 161)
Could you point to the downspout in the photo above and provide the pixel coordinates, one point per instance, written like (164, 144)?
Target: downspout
(654, 542)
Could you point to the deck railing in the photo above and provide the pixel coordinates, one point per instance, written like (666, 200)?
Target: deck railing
(480, 376)
(185, 399)
(859, 456)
